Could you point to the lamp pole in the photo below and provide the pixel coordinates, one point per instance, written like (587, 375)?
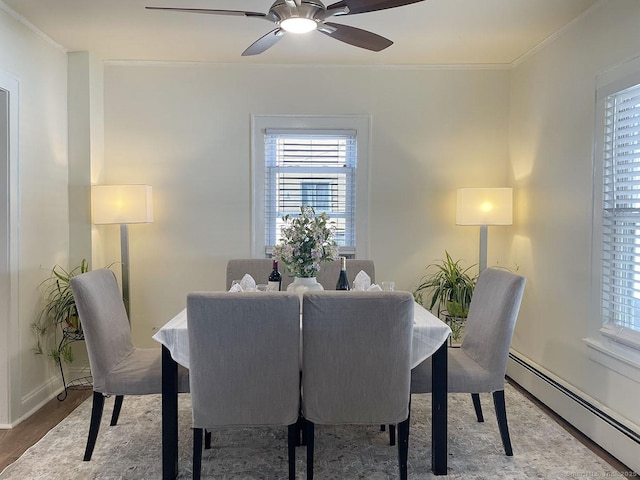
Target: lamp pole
(124, 254)
(482, 263)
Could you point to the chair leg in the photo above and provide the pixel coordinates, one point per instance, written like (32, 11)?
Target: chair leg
(309, 434)
(197, 453)
(207, 439)
(501, 414)
(96, 416)
(117, 406)
(392, 435)
(403, 448)
(476, 405)
(300, 436)
(292, 440)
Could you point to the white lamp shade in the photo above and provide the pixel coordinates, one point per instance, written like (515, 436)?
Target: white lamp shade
(484, 206)
(121, 204)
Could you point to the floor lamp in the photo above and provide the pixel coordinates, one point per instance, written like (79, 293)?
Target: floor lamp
(484, 207)
(122, 204)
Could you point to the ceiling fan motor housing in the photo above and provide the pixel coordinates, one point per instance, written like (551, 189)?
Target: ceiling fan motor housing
(307, 9)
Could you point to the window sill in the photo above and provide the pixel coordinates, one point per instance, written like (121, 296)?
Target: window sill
(615, 355)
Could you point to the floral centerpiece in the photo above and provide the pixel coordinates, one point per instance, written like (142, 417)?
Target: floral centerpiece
(307, 241)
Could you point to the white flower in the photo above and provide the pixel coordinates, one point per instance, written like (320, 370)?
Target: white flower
(307, 240)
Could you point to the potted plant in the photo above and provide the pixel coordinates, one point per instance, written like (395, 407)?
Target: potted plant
(59, 313)
(307, 241)
(451, 287)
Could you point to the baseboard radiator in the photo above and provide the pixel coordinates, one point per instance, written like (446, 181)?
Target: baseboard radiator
(621, 439)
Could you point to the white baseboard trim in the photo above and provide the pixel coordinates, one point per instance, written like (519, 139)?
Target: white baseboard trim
(615, 434)
(38, 397)
(35, 400)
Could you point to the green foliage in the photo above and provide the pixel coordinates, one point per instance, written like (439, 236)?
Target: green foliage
(307, 241)
(450, 286)
(58, 312)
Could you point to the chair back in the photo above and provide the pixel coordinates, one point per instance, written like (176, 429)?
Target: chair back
(492, 319)
(104, 322)
(356, 366)
(260, 268)
(244, 360)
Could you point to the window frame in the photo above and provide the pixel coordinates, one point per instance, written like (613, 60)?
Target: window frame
(261, 123)
(609, 344)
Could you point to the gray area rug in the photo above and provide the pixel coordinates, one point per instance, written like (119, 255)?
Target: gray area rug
(132, 449)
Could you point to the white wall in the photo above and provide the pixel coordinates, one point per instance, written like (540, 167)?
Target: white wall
(185, 130)
(41, 70)
(551, 153)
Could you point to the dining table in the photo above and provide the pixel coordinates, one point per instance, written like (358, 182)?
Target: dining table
(430, 336)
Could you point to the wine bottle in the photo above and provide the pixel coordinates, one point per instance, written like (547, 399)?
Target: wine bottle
(275, 279)
(343, 281)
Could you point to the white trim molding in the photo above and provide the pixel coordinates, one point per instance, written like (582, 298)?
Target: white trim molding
(614, 355)
(360, 123)
(10, 201)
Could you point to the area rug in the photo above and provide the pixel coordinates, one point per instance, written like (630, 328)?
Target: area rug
(132, 449)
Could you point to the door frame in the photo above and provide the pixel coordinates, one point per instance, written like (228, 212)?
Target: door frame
(9, 250)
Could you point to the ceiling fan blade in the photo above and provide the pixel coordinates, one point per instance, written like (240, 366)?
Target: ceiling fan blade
(364, 6)
(356, 36)
(208, 11)
(264, 43)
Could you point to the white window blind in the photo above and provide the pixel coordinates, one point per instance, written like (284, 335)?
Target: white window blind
(316, 168)
(621, 210)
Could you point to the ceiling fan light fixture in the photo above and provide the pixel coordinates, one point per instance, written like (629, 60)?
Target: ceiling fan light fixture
(298, 25)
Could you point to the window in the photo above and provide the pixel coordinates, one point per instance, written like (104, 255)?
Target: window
(621, 210)
(313, 168)
(321, 162)
(613, 338)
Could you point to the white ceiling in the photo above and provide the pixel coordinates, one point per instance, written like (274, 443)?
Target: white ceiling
(433, 32)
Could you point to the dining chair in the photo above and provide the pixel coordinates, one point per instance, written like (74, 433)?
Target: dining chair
(117, 366)
(356, 366)
(244, 360)
(480, 364)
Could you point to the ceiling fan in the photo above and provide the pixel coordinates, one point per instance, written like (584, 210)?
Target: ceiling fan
(302, 16)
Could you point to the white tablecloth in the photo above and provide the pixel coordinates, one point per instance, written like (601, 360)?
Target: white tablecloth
(429, 333)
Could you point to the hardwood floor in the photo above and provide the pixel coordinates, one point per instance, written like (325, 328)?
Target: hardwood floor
(16, 441)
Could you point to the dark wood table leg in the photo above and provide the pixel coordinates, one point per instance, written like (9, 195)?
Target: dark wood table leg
(439, 411)
(169, 416)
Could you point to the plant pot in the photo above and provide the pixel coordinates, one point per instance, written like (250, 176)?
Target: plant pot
(457, 329)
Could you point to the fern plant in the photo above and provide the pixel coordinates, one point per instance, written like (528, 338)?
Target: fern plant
(58, 312)
(450, 286)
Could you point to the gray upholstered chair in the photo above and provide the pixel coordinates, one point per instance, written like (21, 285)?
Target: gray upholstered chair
(356, 366)
(260, 268)
(481, 362)
(244, 360)
(117, 366)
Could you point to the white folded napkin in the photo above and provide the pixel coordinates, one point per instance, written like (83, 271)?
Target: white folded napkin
(362, 281)
(374, 288)
(247, 283)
